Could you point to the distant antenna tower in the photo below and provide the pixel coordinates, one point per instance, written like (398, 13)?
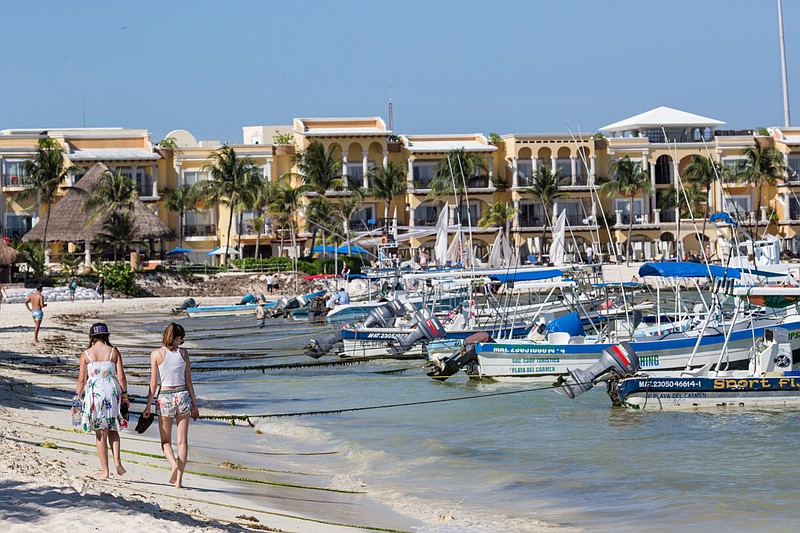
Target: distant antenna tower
(391, 116)
(783, 67)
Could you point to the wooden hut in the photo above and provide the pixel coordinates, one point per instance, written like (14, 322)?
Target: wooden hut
(69, 221)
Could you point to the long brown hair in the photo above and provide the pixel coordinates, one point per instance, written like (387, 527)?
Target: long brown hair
(173, 330)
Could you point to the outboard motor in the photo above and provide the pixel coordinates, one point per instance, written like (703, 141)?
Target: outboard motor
(444, 368)
(187, 303)
(284, 304)
(323, 344)
(383, 316)
(428, 328)
(619, 360)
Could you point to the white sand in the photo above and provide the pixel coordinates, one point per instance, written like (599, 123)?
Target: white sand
(53, 489)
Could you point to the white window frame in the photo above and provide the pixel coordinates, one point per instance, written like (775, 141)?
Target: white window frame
(621, 204)
(201, 175)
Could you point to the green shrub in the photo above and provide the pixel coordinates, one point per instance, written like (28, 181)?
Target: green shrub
(119, 277)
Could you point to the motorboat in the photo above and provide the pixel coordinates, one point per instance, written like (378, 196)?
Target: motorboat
(769, 380)
(668, 345)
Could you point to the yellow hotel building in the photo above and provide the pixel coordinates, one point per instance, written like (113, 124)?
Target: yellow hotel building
(662, 140)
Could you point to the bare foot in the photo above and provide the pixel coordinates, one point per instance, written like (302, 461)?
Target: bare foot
(179, 485)
(173, 477)
(120, 471)
(101, 475)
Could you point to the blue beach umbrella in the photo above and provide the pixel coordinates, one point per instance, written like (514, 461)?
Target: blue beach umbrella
(176, 251)
(327, 249)
(353, 250)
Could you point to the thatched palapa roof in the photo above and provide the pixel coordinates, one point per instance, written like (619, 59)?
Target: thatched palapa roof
(69, 222)
(8, 255)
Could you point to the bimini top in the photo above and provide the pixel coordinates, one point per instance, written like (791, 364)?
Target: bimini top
(687, 269)
(525, 275)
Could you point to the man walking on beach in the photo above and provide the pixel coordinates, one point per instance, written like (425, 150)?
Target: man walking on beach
(35, 304)
(3, 294)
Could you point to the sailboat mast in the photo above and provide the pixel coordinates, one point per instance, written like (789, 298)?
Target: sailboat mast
(786, 118)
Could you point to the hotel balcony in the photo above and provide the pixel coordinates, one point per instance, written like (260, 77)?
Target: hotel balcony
(13, 181)
(148, 188)
(200, 231)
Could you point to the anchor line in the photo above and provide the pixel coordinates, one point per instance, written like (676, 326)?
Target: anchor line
(246, 418)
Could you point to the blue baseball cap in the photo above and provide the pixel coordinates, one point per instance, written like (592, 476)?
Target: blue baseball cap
(98, 329)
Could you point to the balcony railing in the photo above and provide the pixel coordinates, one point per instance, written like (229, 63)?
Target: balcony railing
(667, 215)
(147, 187)
(360, 224)
(530, 222)
(207, 230)
(13, 181)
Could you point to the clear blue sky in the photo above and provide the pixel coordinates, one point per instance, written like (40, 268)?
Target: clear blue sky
(453, 66)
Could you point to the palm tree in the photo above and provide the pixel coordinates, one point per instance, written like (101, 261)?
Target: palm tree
(319, 215)
(629, 179)
(320, 171)
(228, 174)
(546, 188)
(284, 208)
(387, 183)
(115, 192)
(256, 224)
(118, 230)
(262, 197)
(453, 172)
(702, 172)
(764, 165)
(248, 198)
(181, 200)
(496, 215)
(347, 208)
(45, 173)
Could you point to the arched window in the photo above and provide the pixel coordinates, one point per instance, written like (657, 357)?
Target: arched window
(664, 170)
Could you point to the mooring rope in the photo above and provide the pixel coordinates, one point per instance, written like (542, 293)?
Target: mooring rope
(246, 418)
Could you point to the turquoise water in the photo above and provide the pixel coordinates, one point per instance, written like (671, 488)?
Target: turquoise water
(518, 461)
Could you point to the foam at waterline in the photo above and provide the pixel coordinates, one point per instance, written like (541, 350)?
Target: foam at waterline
(441, 517)
(295, 431)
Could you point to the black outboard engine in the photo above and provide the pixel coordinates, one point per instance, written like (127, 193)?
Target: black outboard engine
(619, 360)
(428, 328)
(383, 316)
(444, 368)
(287, 304)
(187, 303)
(323, 344)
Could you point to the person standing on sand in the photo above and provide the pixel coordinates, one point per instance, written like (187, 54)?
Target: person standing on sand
(3, 294)
(261, 314)
(101, 288)
(35, 304)
(170, 368)
(73, 286)
(102, 383)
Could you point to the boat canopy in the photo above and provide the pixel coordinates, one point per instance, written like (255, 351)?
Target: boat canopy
(688, 269)
(570, 323)
(525, 275)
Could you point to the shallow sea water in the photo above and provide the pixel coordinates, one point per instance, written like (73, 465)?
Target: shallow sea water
(497, 456)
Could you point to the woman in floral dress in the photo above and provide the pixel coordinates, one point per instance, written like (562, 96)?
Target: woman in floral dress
(102, 384)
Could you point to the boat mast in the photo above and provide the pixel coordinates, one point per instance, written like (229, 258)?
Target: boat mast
(786, 119)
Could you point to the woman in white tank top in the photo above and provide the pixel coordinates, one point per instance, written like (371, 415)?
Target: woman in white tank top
(170, 370)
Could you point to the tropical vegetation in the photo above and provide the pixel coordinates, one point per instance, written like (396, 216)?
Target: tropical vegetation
(545, 186)
(764, 165)
(454, 172)
(229, 175)
(44, 175)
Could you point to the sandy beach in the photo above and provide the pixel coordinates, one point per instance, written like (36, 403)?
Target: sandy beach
(47, 466)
